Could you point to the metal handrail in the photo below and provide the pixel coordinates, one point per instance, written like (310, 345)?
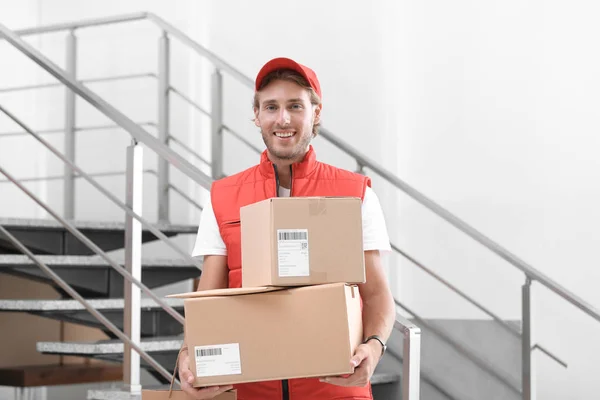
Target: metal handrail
(105, 192)
(59, 177)
(188, 149)
(84, 23)
(411, 365)
(530, 271)
(512, 259)
(108, 110)
(92, 246)
(508, 327)
(362, 160)
(208, 114)
(80, 129)
(90, 80)
(189, 101)
(73, 293)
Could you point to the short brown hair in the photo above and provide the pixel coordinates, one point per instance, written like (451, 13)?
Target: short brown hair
(291, 76)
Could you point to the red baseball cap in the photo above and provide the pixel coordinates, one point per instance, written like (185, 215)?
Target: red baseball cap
(286, 63)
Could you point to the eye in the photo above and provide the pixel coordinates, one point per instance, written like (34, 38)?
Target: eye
(297, 106)
(270, 107)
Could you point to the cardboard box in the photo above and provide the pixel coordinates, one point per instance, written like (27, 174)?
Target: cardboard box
(294, 241)
(259, 334)
(181, 395)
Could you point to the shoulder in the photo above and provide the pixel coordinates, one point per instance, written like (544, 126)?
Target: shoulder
(333, 172)
(247, 176)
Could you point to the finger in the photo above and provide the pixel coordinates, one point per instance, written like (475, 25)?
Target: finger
(210, 392)
(360, 354)
(359, 378)
(338, 381)
(223, 389)
(187, 376)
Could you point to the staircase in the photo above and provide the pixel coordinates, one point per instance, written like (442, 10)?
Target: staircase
(430, 359)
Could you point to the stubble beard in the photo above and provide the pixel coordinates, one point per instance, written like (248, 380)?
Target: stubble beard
(286, 155)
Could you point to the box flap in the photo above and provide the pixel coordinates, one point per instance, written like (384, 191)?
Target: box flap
(226, 292)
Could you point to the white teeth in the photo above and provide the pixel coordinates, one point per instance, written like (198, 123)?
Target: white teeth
(283, 134)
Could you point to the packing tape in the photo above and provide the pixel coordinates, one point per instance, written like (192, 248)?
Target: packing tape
(317, 207)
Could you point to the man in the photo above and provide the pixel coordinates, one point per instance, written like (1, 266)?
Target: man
(287, 109)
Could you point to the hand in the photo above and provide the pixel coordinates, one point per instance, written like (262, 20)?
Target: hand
(187, 380)
(364, 361)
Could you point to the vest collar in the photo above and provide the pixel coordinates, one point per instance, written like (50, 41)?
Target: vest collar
(299, 170)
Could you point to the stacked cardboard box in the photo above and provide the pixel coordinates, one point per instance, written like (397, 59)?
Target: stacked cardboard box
(298, 312)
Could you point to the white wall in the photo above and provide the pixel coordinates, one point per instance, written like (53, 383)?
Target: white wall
(487, 108)
(496, 124)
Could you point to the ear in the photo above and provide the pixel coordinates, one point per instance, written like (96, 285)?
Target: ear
(317, 118)
(256, 117)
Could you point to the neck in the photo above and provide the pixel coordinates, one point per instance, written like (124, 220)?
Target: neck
(284, 170)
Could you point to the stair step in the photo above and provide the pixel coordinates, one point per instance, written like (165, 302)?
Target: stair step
(154, 320)
(381, 378)
(9, 223)
(66, 374)
(45, 236)
(109, 347)
(93, 277)
(78, 261)
(74, 305)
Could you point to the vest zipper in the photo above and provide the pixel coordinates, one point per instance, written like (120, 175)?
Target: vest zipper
(285, 386)
(276, 180)
(291, 179)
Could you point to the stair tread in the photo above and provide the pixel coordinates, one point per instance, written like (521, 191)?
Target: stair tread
(11, 260)
(172, 343)
(74, 305)
(380, 378)
(51, 224)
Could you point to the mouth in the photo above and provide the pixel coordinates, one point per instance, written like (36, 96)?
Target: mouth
(284, 134)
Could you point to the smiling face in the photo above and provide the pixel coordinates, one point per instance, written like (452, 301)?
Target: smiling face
(285, 113)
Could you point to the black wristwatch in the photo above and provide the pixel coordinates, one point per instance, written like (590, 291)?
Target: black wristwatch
(375, 337)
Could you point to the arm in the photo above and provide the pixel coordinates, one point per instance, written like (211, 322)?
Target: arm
(214, 273)
(379, 309)
(379, 314)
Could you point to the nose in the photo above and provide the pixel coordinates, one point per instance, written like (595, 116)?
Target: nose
(283, 118)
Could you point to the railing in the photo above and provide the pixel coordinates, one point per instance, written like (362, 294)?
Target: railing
(132, 273)
(362, 162)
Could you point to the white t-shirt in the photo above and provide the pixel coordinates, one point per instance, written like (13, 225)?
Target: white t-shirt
(375, 235)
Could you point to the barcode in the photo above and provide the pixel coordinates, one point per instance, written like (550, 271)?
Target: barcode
(209, 352)
(293, 236)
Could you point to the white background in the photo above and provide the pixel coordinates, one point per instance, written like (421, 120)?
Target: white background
(488, 108)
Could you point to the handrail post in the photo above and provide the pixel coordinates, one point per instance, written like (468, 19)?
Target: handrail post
(163, 125)
(69, 139)
(360, 167)
(217, 125)
(133, 264)
(527, 342)
(411, 365)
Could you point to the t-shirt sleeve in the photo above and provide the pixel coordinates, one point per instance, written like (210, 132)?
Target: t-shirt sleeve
(375, 234)
(208, 239)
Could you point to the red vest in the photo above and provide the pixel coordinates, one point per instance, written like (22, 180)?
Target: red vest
(309, 178)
